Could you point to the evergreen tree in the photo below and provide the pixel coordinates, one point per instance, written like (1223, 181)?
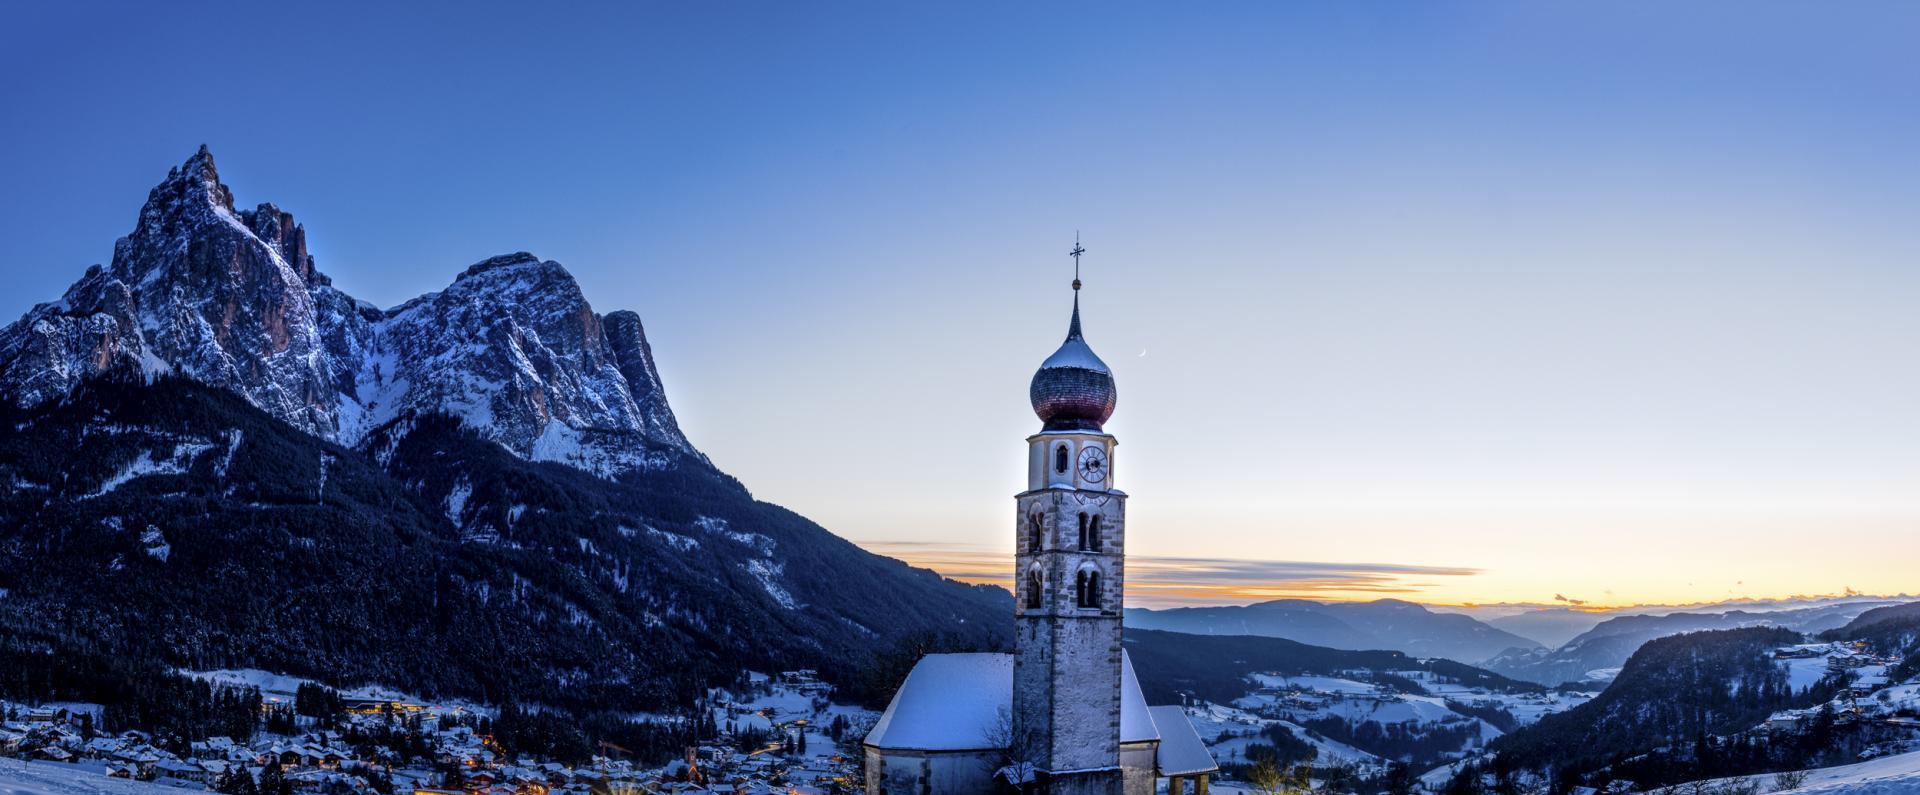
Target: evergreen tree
(273, 781)
(237, 782)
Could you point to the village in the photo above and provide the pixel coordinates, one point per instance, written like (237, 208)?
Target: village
(1414, 703)
(1301, 705)
(1868, 695)
(789, 718)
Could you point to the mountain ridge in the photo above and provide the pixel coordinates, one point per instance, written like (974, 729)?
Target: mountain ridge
(1609, 644)
(232, 298)
(216, 459)
(1390, 624)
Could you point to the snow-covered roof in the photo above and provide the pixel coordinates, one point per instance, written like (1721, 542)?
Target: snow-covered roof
(1136, 723)
(1181, 751)
(1075, 353)
(954, 702)
(949, 702)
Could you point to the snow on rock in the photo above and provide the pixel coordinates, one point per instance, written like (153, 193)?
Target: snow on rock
(722, 528)
(675, 540)
(514, 351)
(232, 299)
(769, 573)
(325, 461)
(226, 458)
(156, 544)
(144, 464)
(457, 501)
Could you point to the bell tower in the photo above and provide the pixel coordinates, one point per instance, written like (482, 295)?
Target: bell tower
(1069, 566)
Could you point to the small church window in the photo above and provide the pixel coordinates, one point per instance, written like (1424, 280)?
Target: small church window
(1060, 459)
(1036, 530)
(1093, 532)
(1035, 589)
(1083, 533)
(1086, 589)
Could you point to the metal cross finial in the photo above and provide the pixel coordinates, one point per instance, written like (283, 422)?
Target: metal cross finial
(1075, 253)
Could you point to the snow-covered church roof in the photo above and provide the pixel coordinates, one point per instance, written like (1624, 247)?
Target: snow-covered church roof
(1182, 753)
(960, 702)
(949, 702)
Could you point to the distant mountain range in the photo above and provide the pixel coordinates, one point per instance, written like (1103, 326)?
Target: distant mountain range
(1595, 655)
(1384, 624)
(1691, 706)
(214, 458)
(1172, 665)
(1604, 642)
(1553, 625)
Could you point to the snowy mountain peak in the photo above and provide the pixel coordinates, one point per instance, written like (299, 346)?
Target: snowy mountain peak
(232, 299)
(197, 176)
(553, 383)
(519, 259)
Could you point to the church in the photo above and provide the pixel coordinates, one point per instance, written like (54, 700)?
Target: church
(1063, 714)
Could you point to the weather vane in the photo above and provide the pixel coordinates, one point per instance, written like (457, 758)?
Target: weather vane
(1075, 253)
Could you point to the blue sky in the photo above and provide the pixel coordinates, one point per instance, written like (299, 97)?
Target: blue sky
(1500, 299)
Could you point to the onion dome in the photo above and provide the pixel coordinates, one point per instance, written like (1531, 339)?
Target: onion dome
(1073, 390)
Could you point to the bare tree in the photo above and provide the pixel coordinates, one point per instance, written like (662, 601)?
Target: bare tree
(1789, 780)
(1015, 742)
(1267, 778)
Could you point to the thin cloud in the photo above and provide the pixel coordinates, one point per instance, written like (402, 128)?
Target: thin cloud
(1154, 581)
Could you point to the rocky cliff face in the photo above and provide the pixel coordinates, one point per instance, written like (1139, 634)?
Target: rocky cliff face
(231, 298)
(284, 477)
(197, 288)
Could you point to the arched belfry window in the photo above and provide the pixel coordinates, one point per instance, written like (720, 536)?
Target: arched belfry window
(1086, 589)
(1036, 589)
(1036, 530)
(1093, 532)
(1084, 538)
(1060, 459)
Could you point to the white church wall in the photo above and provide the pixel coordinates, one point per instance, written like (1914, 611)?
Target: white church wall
(1084, 719)
(896, 772)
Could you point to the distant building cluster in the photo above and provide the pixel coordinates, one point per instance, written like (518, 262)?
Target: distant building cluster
(1862, 675)
(458, 760)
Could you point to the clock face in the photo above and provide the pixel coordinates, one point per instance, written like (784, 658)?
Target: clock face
(1093, 465)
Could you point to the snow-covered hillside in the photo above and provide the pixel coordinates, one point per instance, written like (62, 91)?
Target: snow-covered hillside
(1403, 709)
(21, 777)
(1891, 775)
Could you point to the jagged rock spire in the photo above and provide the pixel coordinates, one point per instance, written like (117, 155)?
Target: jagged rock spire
(231, 299)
